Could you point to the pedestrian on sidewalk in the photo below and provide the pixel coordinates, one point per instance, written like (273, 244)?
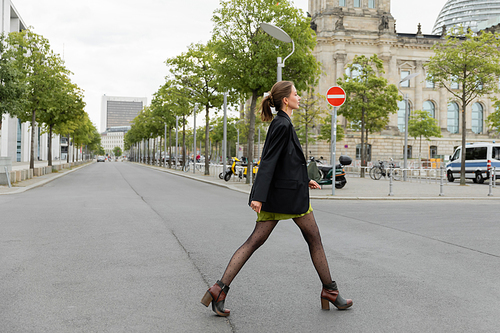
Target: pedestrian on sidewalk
(280, 192)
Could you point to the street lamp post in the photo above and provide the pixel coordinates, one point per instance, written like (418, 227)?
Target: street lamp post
(224, 139)
(194, 138)
(281, 35)
(407, 111)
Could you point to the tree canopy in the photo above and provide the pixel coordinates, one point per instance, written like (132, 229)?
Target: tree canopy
(369, 98)
(473, 62)
(246, 55)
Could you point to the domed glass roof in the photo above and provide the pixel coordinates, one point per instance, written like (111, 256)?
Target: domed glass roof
(468, 13)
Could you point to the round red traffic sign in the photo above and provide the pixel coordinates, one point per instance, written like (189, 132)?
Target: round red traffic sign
(335, 96)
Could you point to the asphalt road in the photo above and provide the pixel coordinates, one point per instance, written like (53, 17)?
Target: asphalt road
(116, 247)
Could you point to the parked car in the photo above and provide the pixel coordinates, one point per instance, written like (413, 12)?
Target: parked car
(101, 159)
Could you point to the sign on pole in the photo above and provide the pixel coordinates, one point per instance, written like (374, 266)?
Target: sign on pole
(335, 96)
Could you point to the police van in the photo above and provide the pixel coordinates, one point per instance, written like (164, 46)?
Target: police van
(480, 158)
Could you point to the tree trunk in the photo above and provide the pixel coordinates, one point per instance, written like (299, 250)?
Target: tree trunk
(32, 153)
(49, 155)
(307, 141)
(184, 140)
(462, 168)
(251, 133)
(169, 147)
(67, 151)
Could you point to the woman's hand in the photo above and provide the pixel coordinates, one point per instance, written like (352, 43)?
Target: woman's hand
(313, 185)
(256, 206)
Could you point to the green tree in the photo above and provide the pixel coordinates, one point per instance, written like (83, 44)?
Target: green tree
(66, 104)
(422, 125)
(369, 99)
(12, 88)
(472, 61)
(493, 119)
(195, 73)
(306, 117)
(117, 151)
(246, 55)
(326, 130)
(41, 70)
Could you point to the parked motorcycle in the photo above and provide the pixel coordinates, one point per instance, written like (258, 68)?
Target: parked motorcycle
(322, 173)
(241, 173)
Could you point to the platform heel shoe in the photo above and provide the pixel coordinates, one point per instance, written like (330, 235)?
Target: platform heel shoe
(330, 293)
(217, 295)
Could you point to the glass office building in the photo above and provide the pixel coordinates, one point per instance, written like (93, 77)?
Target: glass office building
(468, 13)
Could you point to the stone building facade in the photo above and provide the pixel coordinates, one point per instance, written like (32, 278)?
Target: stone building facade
(347, 28)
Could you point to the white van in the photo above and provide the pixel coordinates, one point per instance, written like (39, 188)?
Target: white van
(477, 157)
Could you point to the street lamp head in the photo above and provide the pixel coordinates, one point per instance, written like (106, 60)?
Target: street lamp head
(276, 32)
(409, 77)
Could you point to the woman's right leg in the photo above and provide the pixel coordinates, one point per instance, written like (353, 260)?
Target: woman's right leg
(218, 292)
(257, 238)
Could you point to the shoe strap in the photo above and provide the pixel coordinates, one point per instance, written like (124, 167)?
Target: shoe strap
(224, 288)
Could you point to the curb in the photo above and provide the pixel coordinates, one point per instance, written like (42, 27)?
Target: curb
(318, 197)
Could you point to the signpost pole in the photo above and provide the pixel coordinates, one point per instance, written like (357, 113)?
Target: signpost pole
(336, 97)
(333, 140)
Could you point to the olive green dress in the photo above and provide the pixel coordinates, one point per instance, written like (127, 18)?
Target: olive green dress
(267, 216)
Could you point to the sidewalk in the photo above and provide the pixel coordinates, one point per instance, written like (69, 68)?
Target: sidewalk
(28, 184)
(367, 189)
(355, 189)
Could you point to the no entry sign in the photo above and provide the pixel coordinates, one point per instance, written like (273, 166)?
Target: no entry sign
(335, 96)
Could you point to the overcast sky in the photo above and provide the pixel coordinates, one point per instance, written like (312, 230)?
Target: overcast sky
(118, 47)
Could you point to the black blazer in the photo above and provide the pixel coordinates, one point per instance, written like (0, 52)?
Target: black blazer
(282, 183)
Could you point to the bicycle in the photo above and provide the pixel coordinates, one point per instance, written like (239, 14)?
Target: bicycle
(187, 166)
(377, 171)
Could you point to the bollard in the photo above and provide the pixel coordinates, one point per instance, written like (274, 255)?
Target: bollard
(494, 177)
(8, 176)
(490, 185)
(390, 182)
(441, 184)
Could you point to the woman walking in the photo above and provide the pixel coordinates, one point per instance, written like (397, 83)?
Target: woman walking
(280, 192)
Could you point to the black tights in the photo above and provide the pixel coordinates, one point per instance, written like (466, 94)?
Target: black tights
(310, 231)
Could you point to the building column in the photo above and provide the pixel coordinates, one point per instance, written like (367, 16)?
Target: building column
(419, 85)
(4, 148)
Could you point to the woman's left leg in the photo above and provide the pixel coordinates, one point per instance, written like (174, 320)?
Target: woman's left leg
(310, 231)
(330, 292)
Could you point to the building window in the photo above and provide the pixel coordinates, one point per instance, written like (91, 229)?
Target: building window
(357, 3)
(342, 3)
(429, 107)
(19, 136)
(401, 115)
(433, 151)
(368, 148)
(430, 84)
(454, 83)
(452, 124)
(371, 3)
(477, 118)
(405, 84)
(355, 72)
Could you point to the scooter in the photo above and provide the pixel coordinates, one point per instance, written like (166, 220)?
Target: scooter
(324, 173)
(241, 173)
